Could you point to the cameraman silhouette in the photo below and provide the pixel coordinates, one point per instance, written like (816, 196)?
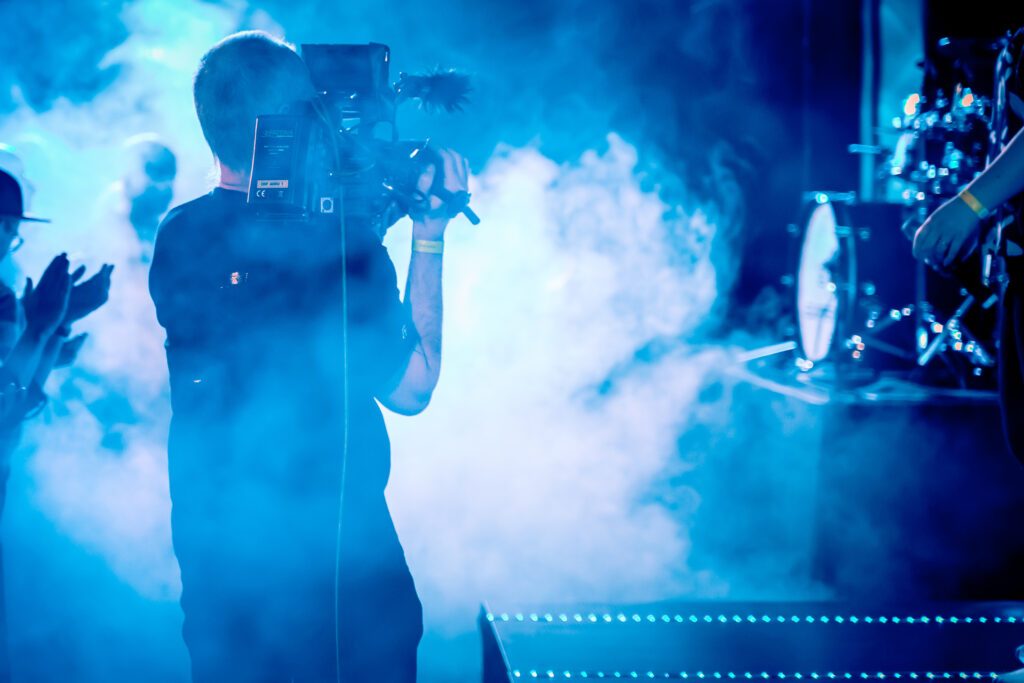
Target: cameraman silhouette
(290, 564)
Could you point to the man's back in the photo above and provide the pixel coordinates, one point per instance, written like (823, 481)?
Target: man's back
(253, 313)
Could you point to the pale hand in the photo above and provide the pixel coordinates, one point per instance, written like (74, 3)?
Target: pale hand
(89, 295)
(69, 351)
(947, 235)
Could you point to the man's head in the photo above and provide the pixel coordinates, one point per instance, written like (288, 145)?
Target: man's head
(13, 202)
(245, 75)
(149, 172)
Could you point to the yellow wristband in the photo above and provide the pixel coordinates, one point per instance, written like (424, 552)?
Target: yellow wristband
(428, 246)
(976, 206)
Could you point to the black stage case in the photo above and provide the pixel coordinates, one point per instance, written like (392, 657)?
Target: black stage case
(736, 641)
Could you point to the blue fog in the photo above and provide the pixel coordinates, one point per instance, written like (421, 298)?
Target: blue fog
(586, 421)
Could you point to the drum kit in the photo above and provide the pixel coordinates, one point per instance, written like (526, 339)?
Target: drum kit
(864, 306)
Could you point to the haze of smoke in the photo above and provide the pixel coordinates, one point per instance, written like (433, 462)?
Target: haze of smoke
(107, 489)
(523, 482)
(620, 287)
(530, 478)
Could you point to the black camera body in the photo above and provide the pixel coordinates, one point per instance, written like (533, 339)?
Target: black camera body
(338, 155)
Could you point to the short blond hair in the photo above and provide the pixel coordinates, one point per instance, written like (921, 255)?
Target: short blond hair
(243, 76)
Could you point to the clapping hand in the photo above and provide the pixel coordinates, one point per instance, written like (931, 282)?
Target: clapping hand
(89, 295)
(69, 351)
(46, 304)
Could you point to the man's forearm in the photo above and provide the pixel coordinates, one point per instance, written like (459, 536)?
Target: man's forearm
(47, 359)
(1004, 177)
(423, 287)
(24, 359)
(425, 301)
(424, 298)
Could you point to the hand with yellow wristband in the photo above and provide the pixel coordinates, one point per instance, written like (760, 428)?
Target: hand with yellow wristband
(951, 232)
(428, 225)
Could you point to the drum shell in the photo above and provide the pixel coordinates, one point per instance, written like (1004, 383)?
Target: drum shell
(888, 306)
(874, 274)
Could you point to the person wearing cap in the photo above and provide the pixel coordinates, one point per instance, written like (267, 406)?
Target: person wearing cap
(29, 326)
(34, 336)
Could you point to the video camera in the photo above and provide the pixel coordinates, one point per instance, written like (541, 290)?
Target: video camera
(339, 154)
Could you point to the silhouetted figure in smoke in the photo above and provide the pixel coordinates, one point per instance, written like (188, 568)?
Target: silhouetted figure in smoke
(133, 206)
(128, 392)
(291, 568)
(35, 333)
(148, 186)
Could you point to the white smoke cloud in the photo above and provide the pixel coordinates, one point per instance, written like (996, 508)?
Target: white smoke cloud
(521, 482)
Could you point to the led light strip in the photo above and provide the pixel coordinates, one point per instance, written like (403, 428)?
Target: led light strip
(747, 675)
(737, 618)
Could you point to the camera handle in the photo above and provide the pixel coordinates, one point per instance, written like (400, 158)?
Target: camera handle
(456, 203)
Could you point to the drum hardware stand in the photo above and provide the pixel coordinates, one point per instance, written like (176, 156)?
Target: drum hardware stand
(963, 339)
(829, 196)
(992, 247)
(767, 351)
(874, 326)
(858, 343)
(895, 315)
(954, 329)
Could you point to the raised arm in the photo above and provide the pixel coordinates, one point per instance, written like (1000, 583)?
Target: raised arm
(60, 351)
(423, 291)
(45, 307)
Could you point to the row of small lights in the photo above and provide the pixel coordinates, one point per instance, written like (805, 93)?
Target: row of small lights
(736, 618)
(550, 674)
